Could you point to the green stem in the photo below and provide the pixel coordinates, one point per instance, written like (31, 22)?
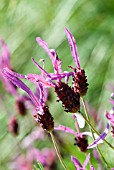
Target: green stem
(57, 151)
(91, 129)
(88, 122)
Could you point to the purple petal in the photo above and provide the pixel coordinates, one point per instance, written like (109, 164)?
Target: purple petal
(44, 45)
(56, 62)
(17, 75)
(100, 138)
(87, 160)
(73, 47)
(5, 54)
(10, 76)
(65, 75)
(45, 72)
(76, 162)
(41, 94)
(66, 129)
(34, 78)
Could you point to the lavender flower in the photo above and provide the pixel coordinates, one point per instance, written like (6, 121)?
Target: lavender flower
(42, 116)
(70, 100)
(79, 166)
(9, 86)
(80, 138)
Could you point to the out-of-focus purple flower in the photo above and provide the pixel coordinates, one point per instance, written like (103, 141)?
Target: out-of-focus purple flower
(21, 163)
(46, 157)
(20, 106)
(79, 166)
(42, 116)
(5, 62)
(5, 55)
(36, 134)
(13, 125)
(9, 86)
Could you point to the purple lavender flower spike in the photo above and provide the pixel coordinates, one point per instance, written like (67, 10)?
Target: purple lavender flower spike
(10, 76)
(42, 114)
(73, 47)
(100, 138)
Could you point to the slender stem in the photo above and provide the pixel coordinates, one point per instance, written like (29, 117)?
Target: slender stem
(91, 129)
(57, 151)
(88, 122)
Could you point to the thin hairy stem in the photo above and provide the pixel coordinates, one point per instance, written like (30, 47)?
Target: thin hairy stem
(57, 151)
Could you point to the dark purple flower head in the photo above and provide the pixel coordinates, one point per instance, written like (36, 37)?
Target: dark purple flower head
(21, 105)
(13, 125)
(42, 116)
(81, 142)
(79, 77)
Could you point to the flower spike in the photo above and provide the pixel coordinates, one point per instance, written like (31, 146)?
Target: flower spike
(42, 115)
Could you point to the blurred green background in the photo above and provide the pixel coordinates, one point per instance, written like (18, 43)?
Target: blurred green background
(92, 24)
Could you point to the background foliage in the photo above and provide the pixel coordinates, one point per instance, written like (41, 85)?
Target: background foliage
(92, 24)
